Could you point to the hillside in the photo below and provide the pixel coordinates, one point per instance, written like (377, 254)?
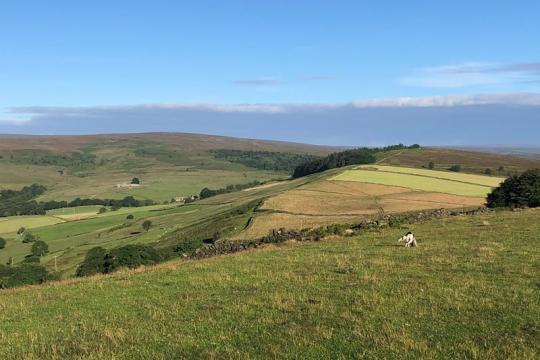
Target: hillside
(169, 164)
(177, 165)
(468, 291)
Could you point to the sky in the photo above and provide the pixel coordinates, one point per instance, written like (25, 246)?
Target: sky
(325, 72)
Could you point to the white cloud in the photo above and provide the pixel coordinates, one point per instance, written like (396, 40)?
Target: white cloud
(532, 99)
(472, 74)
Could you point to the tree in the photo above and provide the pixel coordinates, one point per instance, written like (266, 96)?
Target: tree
(517, 191)
(500, 169)
(146, 225)
(93, 262)
(39, 248)
(135, 181)
(130, 217)
(488, 171)
(102, 210)
(21, 231)
(130, 256)
(455, 168)
(2, 243)
(431, 165)
(29, 237)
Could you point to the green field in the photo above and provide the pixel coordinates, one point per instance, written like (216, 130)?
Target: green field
(469, 291)
(459, 185)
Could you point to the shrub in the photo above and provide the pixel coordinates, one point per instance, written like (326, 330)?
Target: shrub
(517, 191)
(431, 165)
(2, 243)
(21, 231)
(31, 259)
(130, 217)
(102, 210)
(93, 262)
(136, 181)
(488, 171)
(455, 168)
(146, 225)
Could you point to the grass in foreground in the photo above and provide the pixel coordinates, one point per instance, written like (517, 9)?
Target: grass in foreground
(470, 290)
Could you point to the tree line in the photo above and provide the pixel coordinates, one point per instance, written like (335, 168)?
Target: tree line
(344, 158)
(264, 160)
(206, 192)
(20, 202)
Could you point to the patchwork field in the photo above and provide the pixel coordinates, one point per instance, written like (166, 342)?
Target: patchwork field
(416, 182)
(469, 291)
(353, 195)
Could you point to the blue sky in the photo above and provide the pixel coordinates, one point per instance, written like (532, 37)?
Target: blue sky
(238, 67)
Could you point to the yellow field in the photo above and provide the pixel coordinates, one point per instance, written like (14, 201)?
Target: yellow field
(491, 181)
(13, 223)
(421, 182)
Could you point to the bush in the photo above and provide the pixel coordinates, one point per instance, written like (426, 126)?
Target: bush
(488, 171)
(146, 225)
(135, 181)
(517, 191)
(431, 165)
(130, 217)
(21, 231)
(32, 259)
(93, 262)
(102, 210)
(2, 243)
(39, 248)
(455, 168)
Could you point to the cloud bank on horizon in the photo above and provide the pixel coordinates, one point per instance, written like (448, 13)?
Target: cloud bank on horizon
(485, 119)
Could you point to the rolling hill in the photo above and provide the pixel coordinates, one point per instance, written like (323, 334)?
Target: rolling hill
(178, 165)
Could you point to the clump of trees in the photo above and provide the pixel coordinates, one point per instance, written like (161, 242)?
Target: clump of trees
(99, 260)
(517, 191)
(46, 158)
(24, 274)
(349, 157)
(19, 202)
(264, 160)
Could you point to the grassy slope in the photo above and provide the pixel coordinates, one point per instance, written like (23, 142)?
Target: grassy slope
(469, 291)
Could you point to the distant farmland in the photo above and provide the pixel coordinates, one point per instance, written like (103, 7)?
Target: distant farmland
(424, 180)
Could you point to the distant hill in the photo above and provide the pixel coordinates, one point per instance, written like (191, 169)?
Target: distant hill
(532, 151)
(185, 141)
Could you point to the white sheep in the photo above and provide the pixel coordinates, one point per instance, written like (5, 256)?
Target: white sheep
(408, 239)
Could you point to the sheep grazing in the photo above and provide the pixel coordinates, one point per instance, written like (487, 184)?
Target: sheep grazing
(408, 239)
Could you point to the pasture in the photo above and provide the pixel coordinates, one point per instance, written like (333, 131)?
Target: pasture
(468, 291)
